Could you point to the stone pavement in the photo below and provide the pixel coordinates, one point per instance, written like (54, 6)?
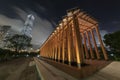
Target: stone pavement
(13, 69)
(110, 72)
(48, 72)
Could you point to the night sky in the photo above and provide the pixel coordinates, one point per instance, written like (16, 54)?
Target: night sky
(49, 12)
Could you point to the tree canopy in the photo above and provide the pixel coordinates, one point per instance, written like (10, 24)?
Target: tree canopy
(113, 41)
(19, 42)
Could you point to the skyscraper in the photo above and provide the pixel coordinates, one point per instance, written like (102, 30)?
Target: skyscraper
(27, 30)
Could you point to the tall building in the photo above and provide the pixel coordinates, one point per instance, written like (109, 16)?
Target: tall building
(27, 30)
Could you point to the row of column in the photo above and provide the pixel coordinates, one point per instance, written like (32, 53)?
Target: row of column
(92, 45)
(65, 43)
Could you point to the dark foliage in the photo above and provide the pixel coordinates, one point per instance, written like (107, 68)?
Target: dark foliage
(8, 55)
(112, 40)
(18, 42)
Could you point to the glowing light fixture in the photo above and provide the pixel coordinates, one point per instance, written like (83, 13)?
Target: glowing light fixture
(57, 27)
(64, 20)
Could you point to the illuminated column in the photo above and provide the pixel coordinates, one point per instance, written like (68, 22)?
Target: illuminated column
(59, 56)
(63, 52)
(66, 57)
(101, 43)
(49, 50)
(90, 46)
(82, 47)
(45, 51)
(85, 46)
(56, 50)
(48, 53)
(95, 45)
(42, 53)
(58, 44)
(55, 53)
(78, 42)
(73, 45)
(55, 45)
(63, 44)
(52, 50)
(69, 43)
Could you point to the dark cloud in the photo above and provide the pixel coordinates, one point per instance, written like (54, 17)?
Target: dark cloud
(50, 12)
(101, 9)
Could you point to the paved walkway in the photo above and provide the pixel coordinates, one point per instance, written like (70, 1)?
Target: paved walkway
(110, 72)
(49, 72)
(18, 69)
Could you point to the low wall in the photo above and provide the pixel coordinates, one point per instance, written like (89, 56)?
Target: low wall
(92, 67)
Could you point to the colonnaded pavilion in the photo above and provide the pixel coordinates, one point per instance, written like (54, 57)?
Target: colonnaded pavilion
(74, 40)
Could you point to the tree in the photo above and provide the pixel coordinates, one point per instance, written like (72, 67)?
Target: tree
(112, 40)
(19, 42)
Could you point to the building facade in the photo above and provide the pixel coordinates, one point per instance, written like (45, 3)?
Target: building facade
(28, 26)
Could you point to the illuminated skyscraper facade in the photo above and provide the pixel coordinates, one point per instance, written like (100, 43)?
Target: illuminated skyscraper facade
(27, 30)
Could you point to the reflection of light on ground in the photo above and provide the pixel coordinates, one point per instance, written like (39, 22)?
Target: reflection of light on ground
(38, 55)
(27, 55)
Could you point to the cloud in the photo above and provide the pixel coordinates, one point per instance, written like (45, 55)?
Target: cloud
(41, 8)
(102, 33)
(42, 26)
(41, 29)
(15, 24)
(23, 14)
